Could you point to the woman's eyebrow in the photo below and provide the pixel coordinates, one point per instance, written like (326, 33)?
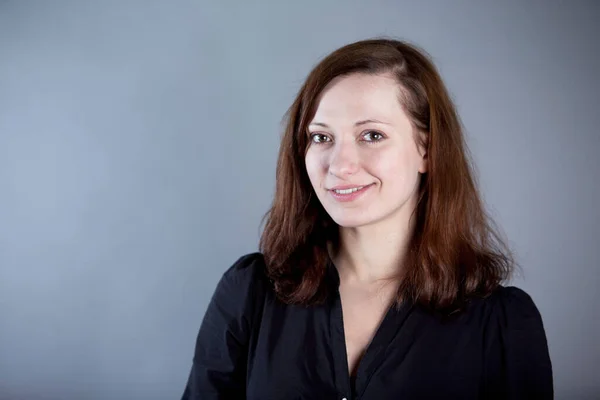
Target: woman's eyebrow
(367, 121)
(358, 123)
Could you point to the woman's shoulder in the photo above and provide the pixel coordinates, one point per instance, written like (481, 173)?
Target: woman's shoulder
(513, 309)
(240, 290)
(247, 266)
(245, 276)
(512, 300)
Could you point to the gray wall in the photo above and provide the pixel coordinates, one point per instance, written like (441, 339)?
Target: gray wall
(138, 143)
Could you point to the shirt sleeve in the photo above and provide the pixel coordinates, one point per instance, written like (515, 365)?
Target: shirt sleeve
(517, 359)
(220, 358)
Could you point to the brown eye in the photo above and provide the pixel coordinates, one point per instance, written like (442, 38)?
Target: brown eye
(319, 138)
(373, 136)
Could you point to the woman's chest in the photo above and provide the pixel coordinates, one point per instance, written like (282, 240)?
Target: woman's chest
(362, 315)
(302, 355)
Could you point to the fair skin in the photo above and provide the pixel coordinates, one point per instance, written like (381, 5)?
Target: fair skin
(362, 138)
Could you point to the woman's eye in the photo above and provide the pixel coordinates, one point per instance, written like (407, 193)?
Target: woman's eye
(373, 136)
(319, 138)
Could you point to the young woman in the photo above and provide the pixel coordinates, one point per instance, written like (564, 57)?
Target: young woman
(380, 272)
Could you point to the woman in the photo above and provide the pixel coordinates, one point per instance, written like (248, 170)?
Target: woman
(380, 273)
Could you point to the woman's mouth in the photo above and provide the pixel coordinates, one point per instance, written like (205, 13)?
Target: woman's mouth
(347, 194)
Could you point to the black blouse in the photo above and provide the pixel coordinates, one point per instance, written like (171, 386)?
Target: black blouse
(253, 346)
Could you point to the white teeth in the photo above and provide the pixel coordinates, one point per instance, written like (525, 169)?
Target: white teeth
(348, 191)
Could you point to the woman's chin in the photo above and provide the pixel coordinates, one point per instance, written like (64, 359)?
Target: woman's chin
(348, 221)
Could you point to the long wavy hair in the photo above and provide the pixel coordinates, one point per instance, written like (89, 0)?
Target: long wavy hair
(456, 251)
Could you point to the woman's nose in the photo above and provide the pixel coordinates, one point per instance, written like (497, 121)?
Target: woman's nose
(344, 160)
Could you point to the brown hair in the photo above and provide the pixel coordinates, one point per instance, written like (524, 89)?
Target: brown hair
(455, 252)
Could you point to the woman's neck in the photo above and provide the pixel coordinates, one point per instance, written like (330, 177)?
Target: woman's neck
(370, 253)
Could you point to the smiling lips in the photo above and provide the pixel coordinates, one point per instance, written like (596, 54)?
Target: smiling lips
(348, 192)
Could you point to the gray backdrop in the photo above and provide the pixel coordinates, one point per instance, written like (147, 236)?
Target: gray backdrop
(138, 142)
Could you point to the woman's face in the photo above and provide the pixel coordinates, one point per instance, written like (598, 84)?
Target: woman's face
(362, 160)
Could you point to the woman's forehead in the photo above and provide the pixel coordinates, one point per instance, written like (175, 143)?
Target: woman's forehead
(359, 97)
